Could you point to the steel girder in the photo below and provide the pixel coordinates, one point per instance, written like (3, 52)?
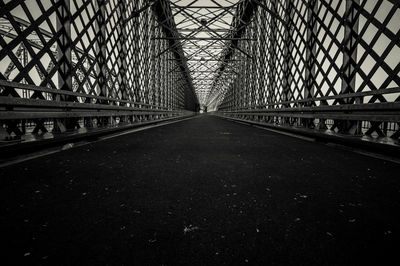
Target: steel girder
(88, 62)
(311, 63)
(316, 64)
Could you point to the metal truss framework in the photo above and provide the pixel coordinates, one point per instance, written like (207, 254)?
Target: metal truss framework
(205, 31)
(325, 64)
(320, 64)
(72, 63)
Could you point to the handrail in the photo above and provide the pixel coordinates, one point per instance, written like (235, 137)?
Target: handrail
(344, 107)
(333, 97)
(17, 85)
(379, 112)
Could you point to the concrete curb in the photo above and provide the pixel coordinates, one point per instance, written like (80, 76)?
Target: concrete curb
(349, 141)
(19, 148)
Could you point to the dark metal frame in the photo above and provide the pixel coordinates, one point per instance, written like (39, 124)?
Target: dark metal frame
(90, 62)
(316, 64)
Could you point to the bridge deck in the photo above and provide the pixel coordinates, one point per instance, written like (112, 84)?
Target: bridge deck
(205, 191)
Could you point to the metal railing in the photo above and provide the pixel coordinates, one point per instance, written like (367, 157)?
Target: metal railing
(68, 63)
(316, 64)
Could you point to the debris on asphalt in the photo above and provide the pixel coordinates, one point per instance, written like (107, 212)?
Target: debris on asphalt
(190, 229)
(67, 146)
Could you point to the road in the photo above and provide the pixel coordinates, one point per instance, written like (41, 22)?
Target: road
(204, 191)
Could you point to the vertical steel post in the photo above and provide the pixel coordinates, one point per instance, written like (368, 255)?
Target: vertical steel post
(123, 51)
(101, 56)
(349, 49)
(310, 49)
(64, 57)
(260, 29)
(64, 46)
(153, 63)
(102, 48)
(287, 63)
(309, 89)
(287, 56)
(272, 73)
(122, 55)
(349, 63)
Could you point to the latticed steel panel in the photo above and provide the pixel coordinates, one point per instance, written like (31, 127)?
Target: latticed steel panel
(99, 55)
(316, 63)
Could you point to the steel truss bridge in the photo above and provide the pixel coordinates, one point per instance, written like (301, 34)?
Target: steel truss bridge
(312, 64)
(325, 69)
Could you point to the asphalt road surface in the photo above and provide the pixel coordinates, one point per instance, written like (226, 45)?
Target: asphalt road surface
(204, 191)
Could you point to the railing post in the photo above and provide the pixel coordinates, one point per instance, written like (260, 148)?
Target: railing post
(122, 55)
(348, 68)
(101, 56)
(260, 51)
(272, 73)
(288, 62)
(102, 49)
(123, 50)
(64, 57)
(309, 89)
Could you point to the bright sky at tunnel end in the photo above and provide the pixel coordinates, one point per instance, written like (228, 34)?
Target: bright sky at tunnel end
(204, 27)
